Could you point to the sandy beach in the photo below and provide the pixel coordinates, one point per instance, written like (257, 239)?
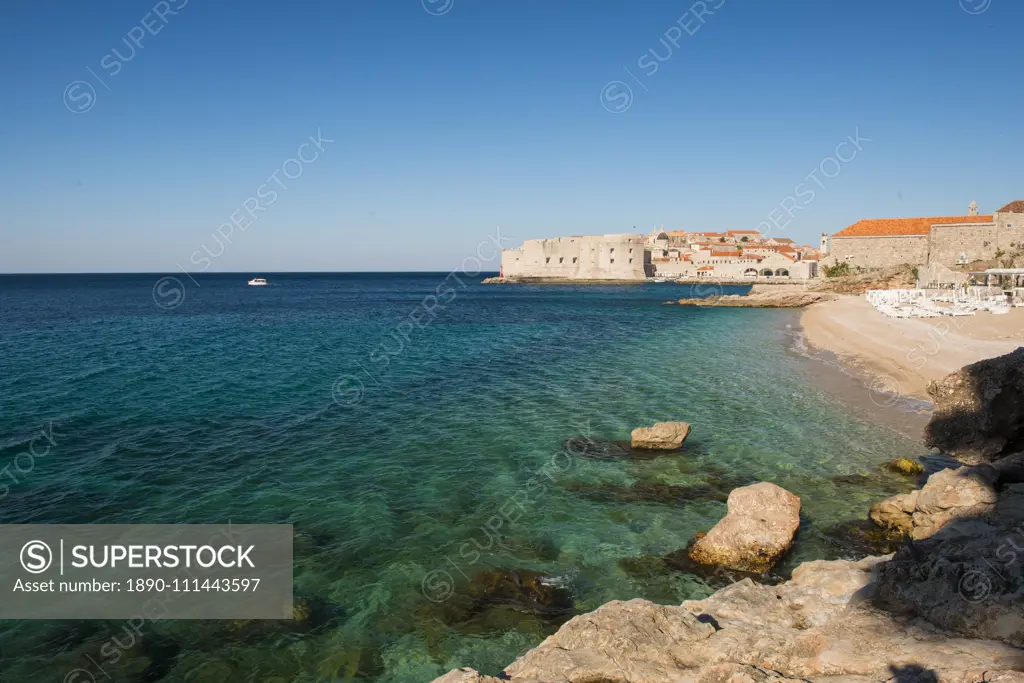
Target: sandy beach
(901, 356)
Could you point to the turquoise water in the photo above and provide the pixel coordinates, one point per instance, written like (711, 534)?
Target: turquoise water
(411, 457)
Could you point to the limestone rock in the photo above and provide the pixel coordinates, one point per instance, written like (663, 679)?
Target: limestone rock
(663, 436)
(819, 626)
(947, 495)
(1010, 469)
(965, 579)
(979, 409)
(466, 675)
(620, 641)
(758, 529)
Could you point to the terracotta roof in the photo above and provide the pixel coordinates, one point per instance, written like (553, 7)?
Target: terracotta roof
(1013, 207)
(784, 240)
(706, 268)
(678, 233)
(895, 227)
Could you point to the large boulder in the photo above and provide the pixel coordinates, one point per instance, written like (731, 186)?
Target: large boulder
(965, 579)
(758, 529)
(979, 409)
(819, 626)
(664, 436)
(947, 495)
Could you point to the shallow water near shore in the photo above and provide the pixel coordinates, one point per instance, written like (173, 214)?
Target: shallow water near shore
(411, 451)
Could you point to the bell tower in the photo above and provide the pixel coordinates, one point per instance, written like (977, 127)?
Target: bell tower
(824, 243)
(972, 210)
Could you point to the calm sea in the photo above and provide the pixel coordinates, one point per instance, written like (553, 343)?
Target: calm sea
(411, 427)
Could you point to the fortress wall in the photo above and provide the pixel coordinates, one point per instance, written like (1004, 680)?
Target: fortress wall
(877, 252)
(1010, 227)
(603, 257)
(947, 243)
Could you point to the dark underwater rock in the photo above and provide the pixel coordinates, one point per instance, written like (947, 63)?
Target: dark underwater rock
(714, 488)
(585, 447)
(854, 540)
(523, 590)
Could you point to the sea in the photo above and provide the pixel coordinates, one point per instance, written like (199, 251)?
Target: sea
(413, 429)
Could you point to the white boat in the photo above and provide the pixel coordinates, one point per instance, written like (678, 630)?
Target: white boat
(660, 280)
(257, 282)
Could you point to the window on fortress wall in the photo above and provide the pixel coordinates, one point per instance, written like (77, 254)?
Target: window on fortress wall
(613, 250)
(630, 260)
(561, 258)
(613, 260)
(574, 259)
(547, 260)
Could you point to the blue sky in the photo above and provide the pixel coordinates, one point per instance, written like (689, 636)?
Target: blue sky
(451, 118)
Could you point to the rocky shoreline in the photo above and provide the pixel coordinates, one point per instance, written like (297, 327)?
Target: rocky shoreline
(946, 607)
(762, 296)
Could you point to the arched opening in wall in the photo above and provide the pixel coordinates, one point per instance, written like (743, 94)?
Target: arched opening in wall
(782, 272)
(750, 272)
(767, 272)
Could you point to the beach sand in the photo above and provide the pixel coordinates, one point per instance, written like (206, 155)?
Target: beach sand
(901, 356)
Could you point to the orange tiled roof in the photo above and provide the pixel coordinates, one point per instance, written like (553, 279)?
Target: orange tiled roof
(895, 227)
(678, 233)
(1013, 207)
(706, 268)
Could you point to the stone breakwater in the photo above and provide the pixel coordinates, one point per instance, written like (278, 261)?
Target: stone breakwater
(945, 608)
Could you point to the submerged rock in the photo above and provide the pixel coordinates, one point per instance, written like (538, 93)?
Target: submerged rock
(818, 626)
(947, 495)
(658, 492)
(523, 590)
(663, 436)
(854, 540)
(979, 409)
(758, 529)
(904, 466)
(585, 447)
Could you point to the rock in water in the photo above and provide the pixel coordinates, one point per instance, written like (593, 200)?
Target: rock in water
(758, 529)
(947, 495)
(664, 436)
(585, 447)
(523, 590)
(979, 409)
(904, 466)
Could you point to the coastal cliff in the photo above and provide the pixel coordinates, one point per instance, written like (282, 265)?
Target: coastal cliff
(945, 608)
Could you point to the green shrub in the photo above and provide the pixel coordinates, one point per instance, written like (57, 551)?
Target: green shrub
(838, 270)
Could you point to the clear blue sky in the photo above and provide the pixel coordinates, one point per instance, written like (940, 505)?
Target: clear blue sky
(451, 117)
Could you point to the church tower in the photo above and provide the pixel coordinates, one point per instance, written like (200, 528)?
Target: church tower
(972, 210)
(824, 243)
